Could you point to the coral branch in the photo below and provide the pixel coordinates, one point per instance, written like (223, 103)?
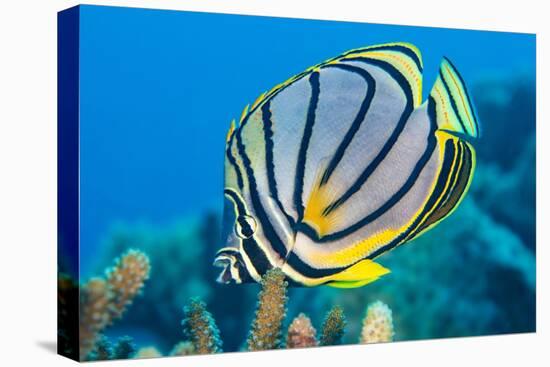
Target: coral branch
(126, 279)
(95, 303)
(266, 328)
(101, 301)
(301, 334)
(377, 324)
(199, 327)
(333, 327)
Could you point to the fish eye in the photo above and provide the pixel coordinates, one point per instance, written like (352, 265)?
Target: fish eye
(245, 226)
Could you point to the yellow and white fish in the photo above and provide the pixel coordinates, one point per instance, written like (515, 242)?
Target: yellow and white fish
(341, 163)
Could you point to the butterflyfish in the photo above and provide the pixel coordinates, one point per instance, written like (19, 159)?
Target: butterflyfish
(342, 163)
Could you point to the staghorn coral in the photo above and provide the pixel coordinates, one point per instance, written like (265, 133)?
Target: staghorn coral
(126, 279)
(183, 349)
(104, 300)
(301, 334)
(200, 328)
(377, 324)
(265, 332)
(148, 352)
(179, 250)
(95, 315)
(333, 327)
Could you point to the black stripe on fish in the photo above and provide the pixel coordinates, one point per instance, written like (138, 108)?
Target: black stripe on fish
(306, 270)
(454, 174)
(233, 162)
(357, 122)
(306, 137)
(374, 164)
(453, 102)
(454, 194)
(276, 244)
(470, 104)
(448, 160)
(257, 257)
(403, 49)
(270, 167)
(241, 209)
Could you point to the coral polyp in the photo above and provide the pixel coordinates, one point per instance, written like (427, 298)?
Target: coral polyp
(377, 324)
(200, 328)
(301, 333)
(266, 330)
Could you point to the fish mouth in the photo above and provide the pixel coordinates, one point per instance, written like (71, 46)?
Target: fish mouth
(225, 276)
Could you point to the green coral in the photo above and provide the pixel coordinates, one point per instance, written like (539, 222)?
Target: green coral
(266, 330)
(333, 327)
(200, 328)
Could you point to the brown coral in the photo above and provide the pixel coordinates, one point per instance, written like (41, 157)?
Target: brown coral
(265, 332)
(377, 324)
(301, 334)
(126, 279)
(95, 304)
(103, 300)
(333, 327)
(199, 327)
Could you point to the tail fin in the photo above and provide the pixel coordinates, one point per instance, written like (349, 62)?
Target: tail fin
(453, 108)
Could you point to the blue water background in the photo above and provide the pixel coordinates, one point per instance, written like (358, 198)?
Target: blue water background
(159, 88)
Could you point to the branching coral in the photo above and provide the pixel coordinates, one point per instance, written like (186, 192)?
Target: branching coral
(377, 324)
(103, 300)
(200, 328)
(301, 333)
(265, 332)
(333, 327)
(95, 315)
(126, 279)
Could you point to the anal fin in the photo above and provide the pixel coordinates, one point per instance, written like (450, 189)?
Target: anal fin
(358, 275)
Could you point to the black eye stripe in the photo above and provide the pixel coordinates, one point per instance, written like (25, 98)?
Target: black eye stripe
(245, 226)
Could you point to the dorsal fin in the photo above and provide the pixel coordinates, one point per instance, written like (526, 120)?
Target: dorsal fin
(404, 57)
(454, 111)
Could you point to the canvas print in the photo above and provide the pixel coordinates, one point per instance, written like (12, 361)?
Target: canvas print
(240, 183)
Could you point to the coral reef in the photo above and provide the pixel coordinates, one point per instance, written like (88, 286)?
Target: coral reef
(301, 333)
(104, 300)
(148, 352)
(377, 324)
(266, 329)
(181, 255)
(67, 303)
(183, 349)
(200, 328)
(125, 348)
(333, 327)
(103, 349)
